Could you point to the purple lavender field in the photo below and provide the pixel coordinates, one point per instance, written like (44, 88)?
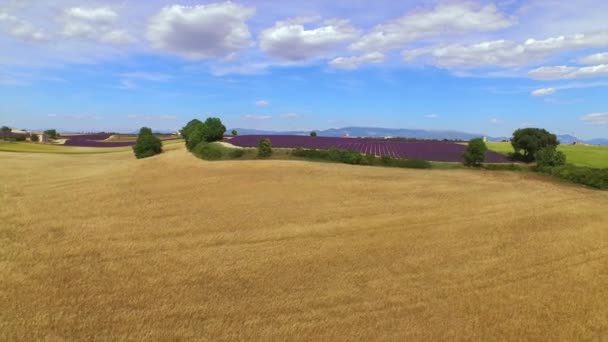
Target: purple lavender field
(423, 150)
(95, 140)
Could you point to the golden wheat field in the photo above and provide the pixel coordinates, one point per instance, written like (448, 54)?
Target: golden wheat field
(107, 247)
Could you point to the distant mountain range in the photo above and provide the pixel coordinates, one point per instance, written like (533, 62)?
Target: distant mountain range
(409, 133)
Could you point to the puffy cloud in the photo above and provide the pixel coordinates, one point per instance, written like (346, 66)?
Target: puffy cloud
(100, 15)
(596, 118)
(543, 92)
(94, 23)
(203, 31)
(569, 72)
(598, 58)
(22, 29)
(504, 53)
(290, 40)
(351, 63)
(444, 19)
(261, 103)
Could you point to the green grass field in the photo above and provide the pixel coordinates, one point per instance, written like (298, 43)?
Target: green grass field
(580, 155)
(60, 149)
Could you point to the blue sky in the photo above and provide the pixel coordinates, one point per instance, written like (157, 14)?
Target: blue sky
(478, 66)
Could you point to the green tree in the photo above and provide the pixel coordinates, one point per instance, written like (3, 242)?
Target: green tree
(234, 133)
(52, 133)
(313, 134)
(34, 137)
(550, 157)
(475, 153)
(197, 136)
(264, 148)
(531, 140)
(189, 128)
(147, 144)
(5, 129)
(214, 129)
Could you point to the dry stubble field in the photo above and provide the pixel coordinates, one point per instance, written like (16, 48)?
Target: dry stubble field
(107, 247)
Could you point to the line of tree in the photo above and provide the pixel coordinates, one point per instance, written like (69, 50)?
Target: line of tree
(5, 129)
(147, 144)
(196, 132)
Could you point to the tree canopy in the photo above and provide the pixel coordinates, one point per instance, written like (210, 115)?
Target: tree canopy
(147, 144)
(5, 129)
(475, 153)
(532, 140)
(197, 131)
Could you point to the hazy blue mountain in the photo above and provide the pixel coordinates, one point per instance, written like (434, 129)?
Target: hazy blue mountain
(567, 139)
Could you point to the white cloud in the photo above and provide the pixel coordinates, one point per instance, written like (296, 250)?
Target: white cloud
(94, 24)
(543, 92)
(22, 29)
(257, 117)
(261, 103)
(504, 53)
(598, 58)
(431, 116)
(290, 40)
(203, 31)
(444, 19)
(75, 116)
(350, 63)
(495, 121)
(290, 115)
(568, 72)
(596, 119)
(100, 15)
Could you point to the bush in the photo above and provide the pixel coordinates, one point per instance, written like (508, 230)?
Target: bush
(475, 153)
(147, 145)
(356, 158)
(503, 167)
(234, 133)
(313, 134)
(596, 178)
(236, 153)
(550, 157)
(264, 148)
(6, 129)
(405, 163)
(34, 138)
(209, 151)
